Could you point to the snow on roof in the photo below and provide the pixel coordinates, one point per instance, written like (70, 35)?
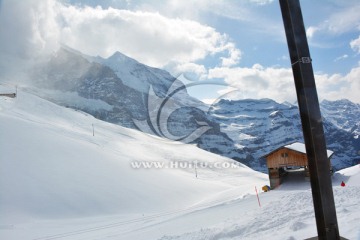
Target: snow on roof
(300, 147)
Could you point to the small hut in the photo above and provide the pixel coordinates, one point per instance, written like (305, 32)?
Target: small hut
(293, 155)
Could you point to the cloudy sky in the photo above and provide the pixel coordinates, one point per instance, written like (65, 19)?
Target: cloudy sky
(223, 45)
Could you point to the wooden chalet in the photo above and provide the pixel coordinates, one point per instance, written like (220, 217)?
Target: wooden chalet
(293, 155)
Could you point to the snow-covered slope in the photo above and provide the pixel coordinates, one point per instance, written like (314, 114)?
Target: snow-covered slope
(52, 167)
(58, 181)
(285, 213)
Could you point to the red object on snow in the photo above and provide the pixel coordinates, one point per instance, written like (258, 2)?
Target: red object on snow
(342, 184)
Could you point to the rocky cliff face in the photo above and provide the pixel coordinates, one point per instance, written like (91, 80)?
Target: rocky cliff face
(125, 92)
(260, 126)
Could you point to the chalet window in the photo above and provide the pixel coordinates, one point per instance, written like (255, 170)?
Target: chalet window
(284, 155)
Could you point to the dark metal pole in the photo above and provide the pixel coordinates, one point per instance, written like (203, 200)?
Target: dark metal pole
(312, 125)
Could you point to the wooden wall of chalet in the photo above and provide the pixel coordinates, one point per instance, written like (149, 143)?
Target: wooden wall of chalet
(294, 158)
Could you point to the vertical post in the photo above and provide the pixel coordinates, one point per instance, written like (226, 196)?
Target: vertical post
(274, 177)
(196, 175)
(93, 129)
(311, 120)
(257, 195)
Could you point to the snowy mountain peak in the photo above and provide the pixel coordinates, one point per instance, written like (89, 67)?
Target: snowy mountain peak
(121, 58)
(134, 74)
(338, 102)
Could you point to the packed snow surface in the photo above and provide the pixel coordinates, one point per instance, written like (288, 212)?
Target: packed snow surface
(58, 180)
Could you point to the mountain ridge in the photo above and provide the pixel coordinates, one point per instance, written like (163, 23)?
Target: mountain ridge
(269, 125)
(239, 129)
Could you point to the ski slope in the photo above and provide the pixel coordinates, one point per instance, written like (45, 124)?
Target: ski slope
(58, 181)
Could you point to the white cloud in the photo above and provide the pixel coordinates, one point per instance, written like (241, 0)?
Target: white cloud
(278, 83)
(191, 71)
(249, 13)
(344, 20)
(28, 30)
(262, 2)
(194, 9)
(233, 58)
(345, 56)
(311, 31)
(149, 37)
(341, 86)
(258, 82)
(354, 85)
(355, 45)
(160, 40)
(190, 9)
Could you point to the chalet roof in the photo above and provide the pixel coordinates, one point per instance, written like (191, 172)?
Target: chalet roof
(298, 147)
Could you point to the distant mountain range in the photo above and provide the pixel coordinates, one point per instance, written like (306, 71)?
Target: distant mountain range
(260, 126)
(125, 92)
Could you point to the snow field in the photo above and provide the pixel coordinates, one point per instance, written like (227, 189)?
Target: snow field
(54, 169)
(58, 181)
